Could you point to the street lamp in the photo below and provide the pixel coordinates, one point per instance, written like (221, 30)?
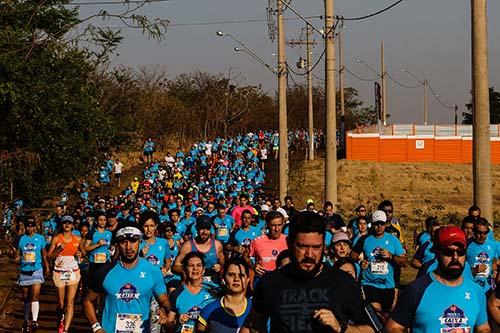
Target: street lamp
(247, 50)
(424, 84)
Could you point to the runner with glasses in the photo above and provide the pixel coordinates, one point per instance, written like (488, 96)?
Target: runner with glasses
(442, 301)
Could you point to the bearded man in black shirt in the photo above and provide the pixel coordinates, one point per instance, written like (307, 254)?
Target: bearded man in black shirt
(306, 295)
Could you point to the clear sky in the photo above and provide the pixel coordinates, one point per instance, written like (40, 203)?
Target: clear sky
(430, 38)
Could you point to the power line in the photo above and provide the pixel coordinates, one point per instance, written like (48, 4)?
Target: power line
(436, 96)
(359, 77)
(370, 15)
(113, 2)
(401, 84)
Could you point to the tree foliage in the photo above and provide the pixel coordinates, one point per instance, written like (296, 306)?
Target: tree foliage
(494, 109)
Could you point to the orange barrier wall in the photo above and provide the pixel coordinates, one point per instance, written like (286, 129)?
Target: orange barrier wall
(425, 148)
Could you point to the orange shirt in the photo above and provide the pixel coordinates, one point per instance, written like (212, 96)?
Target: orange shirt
(265, 250)
(70, 247)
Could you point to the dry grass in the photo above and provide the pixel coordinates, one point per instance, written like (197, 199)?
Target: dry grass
(417, 190)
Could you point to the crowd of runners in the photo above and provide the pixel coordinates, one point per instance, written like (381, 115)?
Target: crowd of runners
(195, 244)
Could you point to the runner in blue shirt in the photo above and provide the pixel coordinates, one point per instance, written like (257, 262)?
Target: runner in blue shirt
(191, 297)
(97, 244)
(381, 251)
(243, 236)
(227, 314)
(128, 284)
(32, 256)
(442, 301)
(482, 255)
(223, 224)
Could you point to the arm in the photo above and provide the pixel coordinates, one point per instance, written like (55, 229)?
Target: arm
(393, 327)
(89, 247)
(89, 308)
(484, 328)
(53, 251)
(220, 255)
(45, 262)
(494, 307)
(177, 267)
(164, 309)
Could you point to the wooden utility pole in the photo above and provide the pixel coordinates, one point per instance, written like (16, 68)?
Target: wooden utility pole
(481, 111)
(283, 127)
(382, 84)
(341, 89)
(331, 121)
(426, 103)
(310, 110)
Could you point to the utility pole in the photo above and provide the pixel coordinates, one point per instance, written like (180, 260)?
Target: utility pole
(310, 110)
(382, 79)
(426, 103)
(481, 165)
(341, 88)
(331, 121)
(283, 128)
(456, 115)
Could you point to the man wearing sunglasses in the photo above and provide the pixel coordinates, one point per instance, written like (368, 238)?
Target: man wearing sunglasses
(442, 301)
(482, 255)
(128, 284)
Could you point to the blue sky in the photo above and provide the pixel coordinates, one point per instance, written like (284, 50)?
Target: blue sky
(429, 38)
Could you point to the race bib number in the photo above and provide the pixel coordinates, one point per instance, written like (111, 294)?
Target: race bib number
(68, 276)
(456, 330)
(222, 232)
(128, 323)
(186, 328)
(483, 270)
(379, 267)
(29, 257)
(100, 258)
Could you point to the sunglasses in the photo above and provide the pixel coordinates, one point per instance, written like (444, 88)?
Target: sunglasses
(362, 210)
(130, 239)
(67, 222)
(169, 230)
(481, 232)
(378, 223)
(447, 252)
(388, 211)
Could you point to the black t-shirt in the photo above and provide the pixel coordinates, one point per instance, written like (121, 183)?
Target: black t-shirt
(335, 221)
(290, 299)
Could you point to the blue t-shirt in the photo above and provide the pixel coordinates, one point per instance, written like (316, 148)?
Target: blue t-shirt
(185, 302)
(422, 238)
(217, 319)
(128, 293)
(428, 306)
(30, 248)
(482, 254)
(210, 256)
(380, 272)
(241, 237)
(223, 227)
(101, 254)
(158, 252)
(424, 253)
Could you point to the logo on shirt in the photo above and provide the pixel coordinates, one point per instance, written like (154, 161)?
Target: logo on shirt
(275, 252)
(377, 252)
(194, 312)
(453, 317)
(483, 257)
(153, 259)
(29, 247)
(128, 293)
(246, 242)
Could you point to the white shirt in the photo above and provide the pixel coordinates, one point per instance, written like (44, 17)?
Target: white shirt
(118, 167)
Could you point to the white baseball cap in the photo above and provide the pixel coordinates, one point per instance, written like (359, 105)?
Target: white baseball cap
(379, 215)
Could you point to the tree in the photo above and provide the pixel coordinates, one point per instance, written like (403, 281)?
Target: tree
(494, 109)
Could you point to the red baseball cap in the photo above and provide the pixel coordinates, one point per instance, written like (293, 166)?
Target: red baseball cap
(451, 236)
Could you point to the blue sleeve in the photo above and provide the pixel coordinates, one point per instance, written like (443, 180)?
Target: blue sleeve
(207, 312)
(408, 303)
(482, 316)
(159, 287)
(419, 255)
(399, 251)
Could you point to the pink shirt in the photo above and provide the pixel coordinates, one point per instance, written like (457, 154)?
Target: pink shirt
(236, 213)
(265, 250)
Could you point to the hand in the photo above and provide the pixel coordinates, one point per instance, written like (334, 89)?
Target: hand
(102, 242)
(101, 330)
(60, 247)
(327, 318)
(217, 268)
(386, 254)
(365, 263)
(183, 318)
(162, 316)
(259, 270)
(164, 271)
(145, 250)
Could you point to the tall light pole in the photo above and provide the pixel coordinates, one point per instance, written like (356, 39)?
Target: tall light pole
(283, 127)
(426, 98)
(481, 159)
(331, 121)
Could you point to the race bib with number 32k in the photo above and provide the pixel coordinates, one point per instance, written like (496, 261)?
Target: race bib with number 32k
(29, 257)
(99, 258)
(128, 323)
(379, 267)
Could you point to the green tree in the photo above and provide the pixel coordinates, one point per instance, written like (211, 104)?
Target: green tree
(494, 108)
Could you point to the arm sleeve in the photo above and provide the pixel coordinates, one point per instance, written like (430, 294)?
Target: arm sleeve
(159, 287)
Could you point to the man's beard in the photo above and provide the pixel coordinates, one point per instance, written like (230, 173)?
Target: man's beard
(451, 273)
(306, 275)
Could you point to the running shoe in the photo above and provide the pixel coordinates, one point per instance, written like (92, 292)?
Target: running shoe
(34, 326)
(26, 327)
(60, 329)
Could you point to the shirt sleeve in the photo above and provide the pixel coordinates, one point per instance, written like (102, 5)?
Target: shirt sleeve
(407, 304)
(420, 252)
(159, 287)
